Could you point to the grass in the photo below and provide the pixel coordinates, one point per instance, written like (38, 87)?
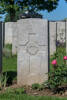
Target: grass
(20, 94)
(12, 96)
(9, 46)
(9, 62)
(10, 65)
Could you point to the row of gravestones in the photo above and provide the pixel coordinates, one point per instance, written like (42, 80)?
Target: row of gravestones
(31, 40)
(57, 34)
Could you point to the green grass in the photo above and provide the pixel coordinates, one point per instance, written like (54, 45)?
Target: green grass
(9, 46)
(9, 62)
(19, 94)
(10, 65)
(14, 96)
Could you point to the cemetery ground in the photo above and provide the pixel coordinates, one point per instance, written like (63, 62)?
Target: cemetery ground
(34, 92)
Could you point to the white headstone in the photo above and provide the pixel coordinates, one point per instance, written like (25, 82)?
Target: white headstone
(61, 31)
(14, 39)
(52, 33)
(8, 32)
(32, 51)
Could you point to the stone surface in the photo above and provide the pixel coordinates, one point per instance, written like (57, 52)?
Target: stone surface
(52, 36)
(61, 31)
(8, 32)
(11, 34)
(14, 39)
(32, 51)
(3, 33)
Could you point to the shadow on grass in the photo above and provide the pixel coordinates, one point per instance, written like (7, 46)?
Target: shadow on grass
(11, 75)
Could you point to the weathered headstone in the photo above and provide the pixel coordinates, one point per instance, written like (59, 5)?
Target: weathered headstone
(52, 35)
(8, 32)
(32, 51)
(3, 34)
(61, 31)
(14, 39)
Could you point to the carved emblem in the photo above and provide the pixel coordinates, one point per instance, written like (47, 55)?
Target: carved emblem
(32, 48)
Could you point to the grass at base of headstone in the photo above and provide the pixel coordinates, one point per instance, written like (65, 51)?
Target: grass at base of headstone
(7, 50)
(9, 63)
(10, 66)
(11, 95)
(9, 46)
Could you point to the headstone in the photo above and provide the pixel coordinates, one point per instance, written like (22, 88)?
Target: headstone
(8, 32)
(32, 51)
(3, 34)
(14, 39)
(61, 32)
(52, 33)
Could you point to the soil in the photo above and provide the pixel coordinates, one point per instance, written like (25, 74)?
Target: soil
(44, 92)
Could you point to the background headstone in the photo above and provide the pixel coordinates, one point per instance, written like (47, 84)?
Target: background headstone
(61, 32)
(14, 39)
(8, 32)
(52, 33)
